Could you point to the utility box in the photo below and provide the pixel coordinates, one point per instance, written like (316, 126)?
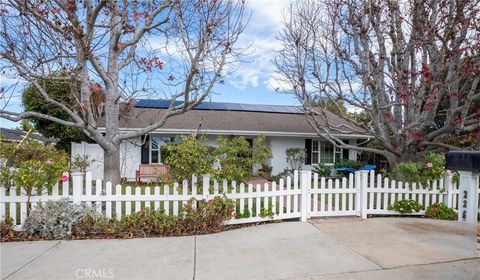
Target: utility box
(467, 163)
(463, 160)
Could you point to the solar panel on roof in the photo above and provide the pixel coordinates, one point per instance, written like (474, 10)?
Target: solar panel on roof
(222, 106)
(233, 106)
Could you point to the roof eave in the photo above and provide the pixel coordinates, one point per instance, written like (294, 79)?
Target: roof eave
(248, 133)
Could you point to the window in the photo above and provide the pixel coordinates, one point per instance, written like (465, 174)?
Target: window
(315, 152)
(325, 152)
(156, 144)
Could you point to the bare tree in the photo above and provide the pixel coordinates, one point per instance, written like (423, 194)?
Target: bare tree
(412, 66)
(170, 49)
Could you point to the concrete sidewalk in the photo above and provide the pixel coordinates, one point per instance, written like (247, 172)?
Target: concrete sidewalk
(323, 249)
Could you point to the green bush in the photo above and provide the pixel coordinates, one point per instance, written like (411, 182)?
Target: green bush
(322, 170)
(266, 168)
(265, 171)
(188, 157)
(405, 206)
(245, 213)
(267, 212)
(431, 167)
(235, 157)
(440, 211)
(261, 152)
(32, 165)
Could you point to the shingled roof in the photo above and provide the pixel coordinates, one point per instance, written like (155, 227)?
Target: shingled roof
(17, 135)
(216, 116)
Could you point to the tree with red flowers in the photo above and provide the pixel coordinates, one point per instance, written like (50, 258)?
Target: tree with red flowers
(169, 49)
(412, 66)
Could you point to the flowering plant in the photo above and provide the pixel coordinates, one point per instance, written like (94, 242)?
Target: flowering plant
(440, 211)
(32, 166)
(428, 169)
(405, 206)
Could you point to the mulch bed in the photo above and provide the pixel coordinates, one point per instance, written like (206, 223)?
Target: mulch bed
(10, 235)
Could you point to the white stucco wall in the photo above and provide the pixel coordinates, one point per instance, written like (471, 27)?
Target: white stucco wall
(279, 146)
(129, 157)
(95, 152)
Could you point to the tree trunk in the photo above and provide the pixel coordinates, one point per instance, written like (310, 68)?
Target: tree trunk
(111, 165)
(407, 156)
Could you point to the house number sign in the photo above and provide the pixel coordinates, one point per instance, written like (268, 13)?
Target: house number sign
(464, 205)
(467, 202)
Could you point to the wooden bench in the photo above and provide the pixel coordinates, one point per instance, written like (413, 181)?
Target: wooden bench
(152, 171)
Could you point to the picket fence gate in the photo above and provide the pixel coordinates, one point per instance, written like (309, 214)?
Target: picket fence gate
(302, 196)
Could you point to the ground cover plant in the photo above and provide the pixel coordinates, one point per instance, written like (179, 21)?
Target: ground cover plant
(405, 206)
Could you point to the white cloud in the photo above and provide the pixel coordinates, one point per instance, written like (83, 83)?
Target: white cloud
(260, 34)
(275, 84)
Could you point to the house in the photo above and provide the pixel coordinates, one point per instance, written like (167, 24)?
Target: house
(17, 135)
(283, 127)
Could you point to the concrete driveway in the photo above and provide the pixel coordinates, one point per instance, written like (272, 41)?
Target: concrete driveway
(341, 248)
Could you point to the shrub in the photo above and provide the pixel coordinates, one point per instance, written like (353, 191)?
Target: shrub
(32, 165)
(188, 157)
(235, 157)
(405, 206)
(266, 168)
(245, 213)
(431, 167)
(440, 211)
(206, 217)
(54, 219)
(296, 157)
(261, 152)
(322, 170)
(282, 175)
(265, 171)
(267, 212)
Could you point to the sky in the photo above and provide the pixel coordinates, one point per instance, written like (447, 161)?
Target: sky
(252, 83)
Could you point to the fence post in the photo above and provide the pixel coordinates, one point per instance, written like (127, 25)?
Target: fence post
(77, 186)
(358, 189)
(363, 179)
(305, 187)
(448, 196)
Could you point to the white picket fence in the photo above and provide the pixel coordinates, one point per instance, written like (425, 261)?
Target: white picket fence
(302, 196)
